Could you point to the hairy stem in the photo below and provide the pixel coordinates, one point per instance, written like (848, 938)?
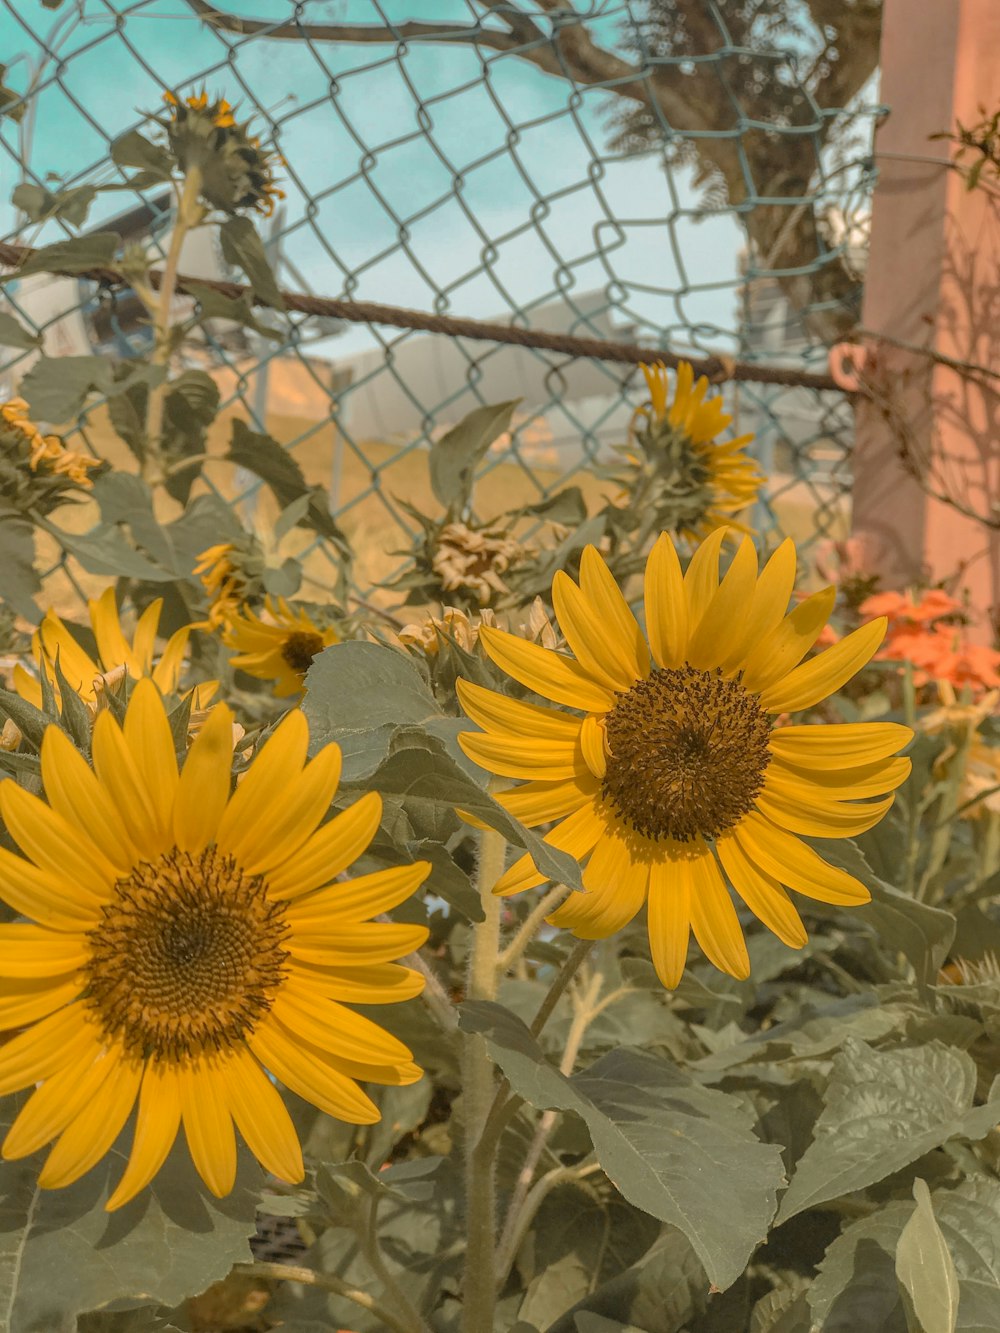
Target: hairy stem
(406, 1312)
(530, 926)
(327, 1282)
(478, 1096)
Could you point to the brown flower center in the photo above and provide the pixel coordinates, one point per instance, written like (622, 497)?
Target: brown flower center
(300, 648)
(688, 754)
(187, 956)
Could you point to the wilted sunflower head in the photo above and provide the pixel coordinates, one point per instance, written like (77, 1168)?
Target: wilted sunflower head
(186, 940)
(664, 771)
(701, 481)
(236, 172)
(36, 470)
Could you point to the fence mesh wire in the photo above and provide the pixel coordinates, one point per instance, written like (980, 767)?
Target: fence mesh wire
(524, 163)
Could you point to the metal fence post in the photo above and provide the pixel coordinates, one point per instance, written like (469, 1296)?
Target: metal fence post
(931, 294)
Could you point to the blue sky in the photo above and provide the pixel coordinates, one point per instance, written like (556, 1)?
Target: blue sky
(540, 192)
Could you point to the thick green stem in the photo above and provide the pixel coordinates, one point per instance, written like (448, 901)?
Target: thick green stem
(478, 1095)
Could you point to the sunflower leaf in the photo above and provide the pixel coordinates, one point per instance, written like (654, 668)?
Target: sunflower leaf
(454, 457)
(684, 1153)
(883, 1110)
(925, 1267)
(173, 1239)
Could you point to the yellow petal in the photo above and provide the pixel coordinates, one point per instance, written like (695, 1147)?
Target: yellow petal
(535, 803)
(31, 998)
(519, 757)
(335, 1028)
(816, 817)
(58, 1100)
(592, 745)
(615, 890)
(621, 636)
(262, 1118)
(311, 1074)
(166, 673)
(34, 951)
(789, 860)
(669, 918)
(156, 1127)
(701, 578)
(111, 645)
(768, 606)
(369, 983)
(205, 781)
(208, 1124)
(56, 846)
(665, 604)
(120, 776)
(45, 1048)
(144, 641)
(497, 713)
(151, 744)
(726, 610)
(838, 745)
(329, 851)
(89, 1136)
(358, 899)
(275, 769)
(321, 938)
(73, 791)
(783, 648)
(762, 893)
(826, 673)
(852, 784)
(577, 835)
(552, 675)
(714, 921)
(48, 898)
(291, 821)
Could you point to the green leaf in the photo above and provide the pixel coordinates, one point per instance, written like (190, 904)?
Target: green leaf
(106, 550)
(566, 506)
(14, 334)
(857, 1289)
(40, 204)
(454, 457)
(883, 1110)
(926, 1269)
(263, 456)
(684, 1153)
(189, 408)
(784, 1310)
(19, 581)
(243, 248)
(61, 1254)
(923, 934)
(135, 150)
(126, 499)
(660, 1293)
(238, 310)
(76, 255)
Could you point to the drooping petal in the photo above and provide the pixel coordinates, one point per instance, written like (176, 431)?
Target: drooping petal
(762, 893)
(58, 1100)
(156, 1126)
(262, 1118)
(792, 863)
(311, 1073)
(669, 918)
(713, 918)
(89, 1136)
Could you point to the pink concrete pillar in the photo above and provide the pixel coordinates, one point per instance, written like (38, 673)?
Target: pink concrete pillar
(933, 282)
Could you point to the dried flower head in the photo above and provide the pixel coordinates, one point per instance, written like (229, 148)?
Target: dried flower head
(474, 560)
(236, 172)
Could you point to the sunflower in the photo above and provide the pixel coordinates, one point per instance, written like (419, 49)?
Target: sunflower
(184, 943)
(53, 640)
(235, 171)
(675, 781)
(280, 649)
(706, 481)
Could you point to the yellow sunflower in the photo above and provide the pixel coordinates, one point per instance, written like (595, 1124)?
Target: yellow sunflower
(53, 639)
(185, 941)
(709, 480)
(281, 648)
(674, 780)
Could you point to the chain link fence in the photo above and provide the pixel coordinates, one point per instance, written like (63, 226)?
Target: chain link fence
(691, 176)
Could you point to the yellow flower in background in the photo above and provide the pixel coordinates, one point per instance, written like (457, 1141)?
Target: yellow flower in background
(48, 454)
(53, 640)
(224, 583)
(183, 942)
(281, 648)
(221, 114)
(674, 779)
(681, 437)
